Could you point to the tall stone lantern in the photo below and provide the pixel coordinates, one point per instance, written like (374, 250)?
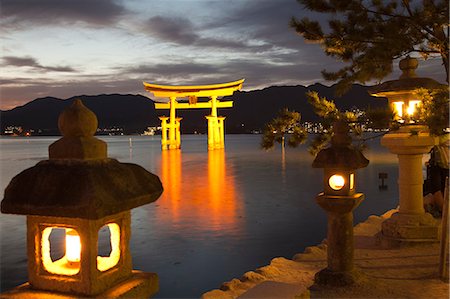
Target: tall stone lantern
(80, 191)
(339, 199)
(411, 224)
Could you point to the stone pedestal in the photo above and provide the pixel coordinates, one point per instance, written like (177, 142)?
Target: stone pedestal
(138, 285)
(411, 224)
(340, 270)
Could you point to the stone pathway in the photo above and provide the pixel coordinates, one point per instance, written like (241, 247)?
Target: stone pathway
(386, 273)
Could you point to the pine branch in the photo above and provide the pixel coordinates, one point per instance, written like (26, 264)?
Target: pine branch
(371, 38)
(282, 125)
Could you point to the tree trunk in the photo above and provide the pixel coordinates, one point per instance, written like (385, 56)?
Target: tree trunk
(445, 62)
(443, 49)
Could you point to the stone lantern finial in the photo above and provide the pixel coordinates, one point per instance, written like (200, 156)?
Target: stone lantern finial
(340, 154)
(78, 125)
(77, 121)
(408, 67)
(341, 137)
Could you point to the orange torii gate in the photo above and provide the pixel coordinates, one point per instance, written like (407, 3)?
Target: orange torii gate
(215, 123)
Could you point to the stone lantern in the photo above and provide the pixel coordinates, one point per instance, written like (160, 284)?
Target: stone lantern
(339, 199)
(411, 224)
(402, 93)
(80, 191)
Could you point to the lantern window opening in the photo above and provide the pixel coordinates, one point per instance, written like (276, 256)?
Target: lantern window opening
(104, 242)
(412, 107)
(73, 246)
(57, 243)
(352, 181)
(398, 108)
(336, 182)
(106, 261)
(53, 239)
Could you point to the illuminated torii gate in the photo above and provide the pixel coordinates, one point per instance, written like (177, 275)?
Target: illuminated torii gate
(215, 123)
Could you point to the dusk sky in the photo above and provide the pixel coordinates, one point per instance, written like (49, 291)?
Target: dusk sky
(63, 48)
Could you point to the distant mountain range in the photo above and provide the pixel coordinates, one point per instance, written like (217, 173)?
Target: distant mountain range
(134, 113)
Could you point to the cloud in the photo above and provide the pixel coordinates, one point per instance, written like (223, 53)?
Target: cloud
(166, 69)
(268, 23)
(182, 31)
(220, 41)
(259, 73)
(19, 14)
(32, 63)
(268, 20)
(19, 91)
(177, 30)
(264, 38)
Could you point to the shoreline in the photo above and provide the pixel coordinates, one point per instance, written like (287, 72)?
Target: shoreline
(388, 272)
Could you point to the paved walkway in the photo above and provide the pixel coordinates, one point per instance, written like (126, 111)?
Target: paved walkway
(387, 273)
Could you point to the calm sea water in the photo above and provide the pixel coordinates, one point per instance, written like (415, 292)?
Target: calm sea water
(222, 213)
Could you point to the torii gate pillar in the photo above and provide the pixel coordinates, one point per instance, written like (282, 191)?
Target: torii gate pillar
(164, 143)
(215, 132)
(173, 139)
(215, 127)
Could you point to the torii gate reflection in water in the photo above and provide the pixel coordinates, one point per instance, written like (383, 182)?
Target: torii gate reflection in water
(215, 122)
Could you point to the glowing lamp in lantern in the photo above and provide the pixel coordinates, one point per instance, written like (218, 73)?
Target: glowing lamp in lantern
(73, 246)
(402, 93)
(339, 181)
(336, 182)
(339, 163)
(339, 199)
(79, 191)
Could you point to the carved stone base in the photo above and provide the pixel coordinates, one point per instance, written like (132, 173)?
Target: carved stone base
(326, 277)
(409, 229)
(139, 285)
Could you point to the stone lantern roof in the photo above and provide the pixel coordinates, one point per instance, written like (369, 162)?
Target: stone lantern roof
(79, 180)
(408, 81)
(340, 154)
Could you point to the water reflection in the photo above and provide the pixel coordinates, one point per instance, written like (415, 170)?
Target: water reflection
(171, 179)
(283, 165)
(265, 207)
(130, 146)
(205, 199)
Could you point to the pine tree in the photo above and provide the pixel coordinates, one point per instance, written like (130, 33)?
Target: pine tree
(434, 111)
(330, 114)
(286, 125)
(369, 35)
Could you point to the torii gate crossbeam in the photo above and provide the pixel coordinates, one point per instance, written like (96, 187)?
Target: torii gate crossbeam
(215, 122)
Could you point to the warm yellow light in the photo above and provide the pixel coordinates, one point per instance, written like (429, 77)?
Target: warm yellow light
(412, 106)
(352, 181)
(398, 108)
(73, 246)
(336, 182)
(61, 266)
(107, 262)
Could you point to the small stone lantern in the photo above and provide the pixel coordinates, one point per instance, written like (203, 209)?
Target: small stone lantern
(79, 191)
(411, 224)
(339, 199)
